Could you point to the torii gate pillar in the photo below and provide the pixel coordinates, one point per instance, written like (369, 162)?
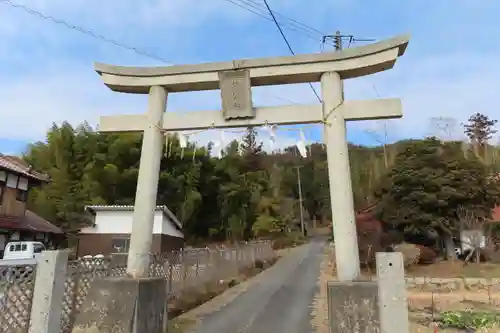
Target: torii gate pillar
(339, 177)
(147, 183)
(235, 80)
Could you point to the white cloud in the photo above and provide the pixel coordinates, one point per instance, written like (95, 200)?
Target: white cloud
(451, 86)
(30, 103)
(75, 93)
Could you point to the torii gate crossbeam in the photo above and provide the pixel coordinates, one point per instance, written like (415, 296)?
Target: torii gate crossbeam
(235, 79)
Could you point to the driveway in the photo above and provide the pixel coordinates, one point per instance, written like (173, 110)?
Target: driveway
(278, 301)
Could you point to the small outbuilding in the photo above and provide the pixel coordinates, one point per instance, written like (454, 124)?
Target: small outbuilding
(112, 226)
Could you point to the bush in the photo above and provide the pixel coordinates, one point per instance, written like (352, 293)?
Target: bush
(369, 238)
(470, 320)
(411, 253)
(288, 240)
(367, 222)
(259, 264)
(427, 255)
(282, 243)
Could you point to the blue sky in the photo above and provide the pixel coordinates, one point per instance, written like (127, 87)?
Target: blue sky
(450, 69)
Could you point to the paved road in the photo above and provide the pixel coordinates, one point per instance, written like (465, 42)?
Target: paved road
(278, 302)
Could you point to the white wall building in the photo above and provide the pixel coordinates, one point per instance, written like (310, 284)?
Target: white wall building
(110, 232)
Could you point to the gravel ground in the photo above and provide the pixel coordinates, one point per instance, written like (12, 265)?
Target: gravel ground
(277, 300)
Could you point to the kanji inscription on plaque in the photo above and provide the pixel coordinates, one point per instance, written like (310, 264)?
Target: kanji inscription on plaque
(236, 94)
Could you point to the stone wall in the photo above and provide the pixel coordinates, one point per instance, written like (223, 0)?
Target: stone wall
(444, 294)
(451, 285)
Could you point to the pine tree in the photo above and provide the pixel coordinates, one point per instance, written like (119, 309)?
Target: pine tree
(250, 144)
(480, 129)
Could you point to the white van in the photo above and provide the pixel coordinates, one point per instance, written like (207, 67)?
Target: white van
(23, 250)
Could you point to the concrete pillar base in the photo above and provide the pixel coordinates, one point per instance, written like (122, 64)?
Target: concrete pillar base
(124, 305)
(353, 307)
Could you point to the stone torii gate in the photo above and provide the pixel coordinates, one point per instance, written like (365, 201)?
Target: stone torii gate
(235, 79)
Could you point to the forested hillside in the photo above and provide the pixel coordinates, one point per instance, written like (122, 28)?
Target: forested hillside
(246, 193)
(242, 194)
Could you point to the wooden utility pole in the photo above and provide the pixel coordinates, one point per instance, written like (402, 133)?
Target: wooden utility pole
(299, 185)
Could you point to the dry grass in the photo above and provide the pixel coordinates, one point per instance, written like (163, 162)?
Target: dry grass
(319, 314)
(283, 252)
(180, 325)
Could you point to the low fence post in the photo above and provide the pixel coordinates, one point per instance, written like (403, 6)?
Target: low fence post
(198, 265)
(48, 294)
(170, 280)
(183, 269)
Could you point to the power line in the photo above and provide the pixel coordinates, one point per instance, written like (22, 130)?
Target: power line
(84, 31)
(338, 45)
(292, 20)
(98, 36)
(288, 44)
(257, 9)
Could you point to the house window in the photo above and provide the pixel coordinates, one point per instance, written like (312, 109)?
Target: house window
(12, 180)
(21, 195)
(120, 245)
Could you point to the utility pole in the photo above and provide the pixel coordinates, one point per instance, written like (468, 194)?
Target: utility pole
(338, 39)
(300, 201)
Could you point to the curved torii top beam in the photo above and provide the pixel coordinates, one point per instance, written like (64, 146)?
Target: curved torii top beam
(349, 63)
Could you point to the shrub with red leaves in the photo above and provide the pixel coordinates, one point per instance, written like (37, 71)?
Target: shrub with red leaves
(427, 255)
(367, 223)
(369, 238)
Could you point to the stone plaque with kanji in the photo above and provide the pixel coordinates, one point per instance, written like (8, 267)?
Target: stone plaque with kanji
(236, 94)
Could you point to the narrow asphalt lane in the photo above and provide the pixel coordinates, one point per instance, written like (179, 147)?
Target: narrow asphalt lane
(279, 300)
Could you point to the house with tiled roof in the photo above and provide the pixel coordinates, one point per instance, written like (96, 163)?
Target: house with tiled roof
(16, 221)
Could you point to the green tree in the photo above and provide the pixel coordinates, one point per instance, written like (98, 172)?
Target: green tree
(428, 183)
(480, 129)
(67, 157)
(238, 196)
